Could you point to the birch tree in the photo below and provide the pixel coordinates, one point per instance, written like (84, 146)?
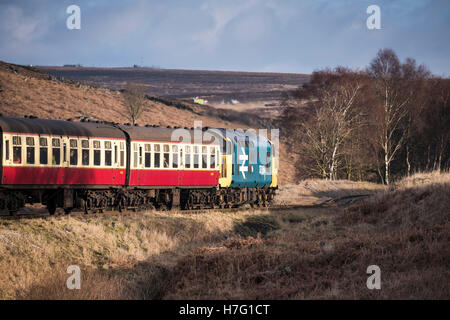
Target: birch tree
(395, 96)
(135, 100)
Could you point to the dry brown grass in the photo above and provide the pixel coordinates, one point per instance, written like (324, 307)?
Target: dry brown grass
(405, 232)
(310, 252)
(314, 191)
(120, 256)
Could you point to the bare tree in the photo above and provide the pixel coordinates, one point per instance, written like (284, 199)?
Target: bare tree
(334, 118)
(395, 92)
(136, 101)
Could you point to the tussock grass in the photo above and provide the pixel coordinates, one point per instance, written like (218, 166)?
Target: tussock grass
(310, 252)
(313, 191)
(122, 256)
(325, 253)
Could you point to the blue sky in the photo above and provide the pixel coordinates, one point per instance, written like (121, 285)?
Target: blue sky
(249, 35)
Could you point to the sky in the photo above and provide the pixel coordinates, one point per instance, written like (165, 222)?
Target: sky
(243, 35)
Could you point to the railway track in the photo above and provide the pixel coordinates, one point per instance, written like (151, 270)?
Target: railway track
(327, 202)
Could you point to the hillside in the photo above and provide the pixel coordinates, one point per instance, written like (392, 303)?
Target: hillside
(216, 86)
(27, 91)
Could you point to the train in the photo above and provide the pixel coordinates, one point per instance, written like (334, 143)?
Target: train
(97, 166)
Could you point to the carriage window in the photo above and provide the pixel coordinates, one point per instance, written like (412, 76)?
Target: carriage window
(188, 157)
(166, 155)
(43, 151)
(56, 151)
(85, 152)
(174, 157)
(196, 158)
(148, 155)
(17, 150)
(204, 158)
(30, 150)
(212, 159)
(122, 154)
(108, 153)
(157, 157)
(97, 153)
(116, 158)
(73, 152)
(7, 150)
(140, 155)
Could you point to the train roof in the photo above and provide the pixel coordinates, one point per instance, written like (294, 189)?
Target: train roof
(243, 135)
(153, 133)
(59, 127)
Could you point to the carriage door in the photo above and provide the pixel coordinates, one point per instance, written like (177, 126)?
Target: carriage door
(116, 162)
(65, 152)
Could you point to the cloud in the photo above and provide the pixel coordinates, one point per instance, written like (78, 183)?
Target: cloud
(291, 35)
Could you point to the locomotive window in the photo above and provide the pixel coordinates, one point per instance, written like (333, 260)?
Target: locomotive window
(43, 151)
(251, 153)
(212, 159)
(187, 160)
(268, 159)
(157, 156)
(174, 157)
(97, 153)
(204, 158)
(166, 155)
(108, 153)
(7, 150)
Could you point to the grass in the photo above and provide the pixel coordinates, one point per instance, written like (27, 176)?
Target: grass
(311, 252)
